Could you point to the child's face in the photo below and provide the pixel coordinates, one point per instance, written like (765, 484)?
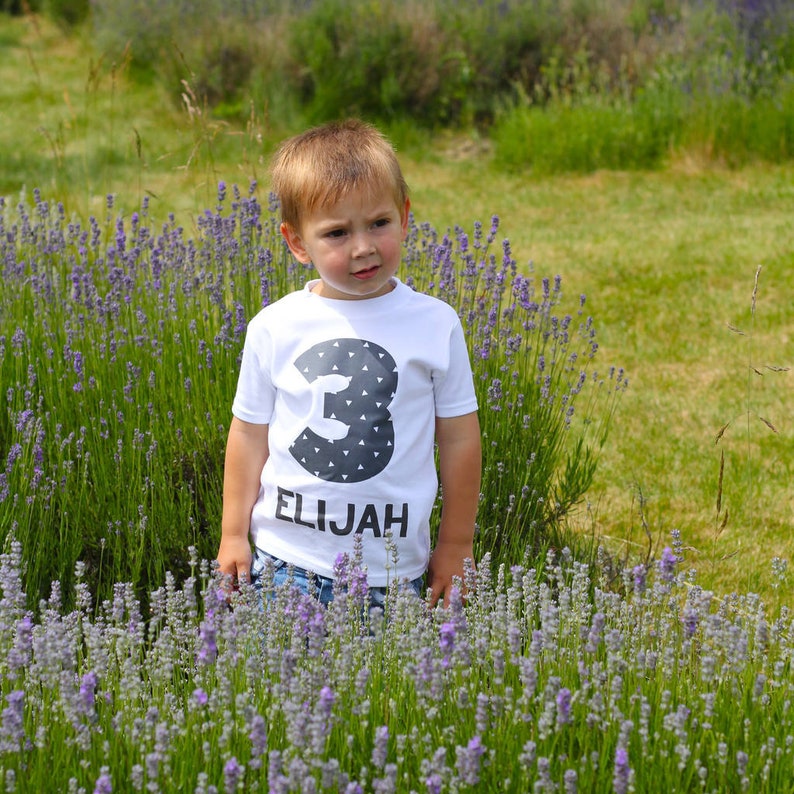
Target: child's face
(355, 245)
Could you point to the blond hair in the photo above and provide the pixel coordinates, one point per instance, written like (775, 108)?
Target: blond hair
(324, 164)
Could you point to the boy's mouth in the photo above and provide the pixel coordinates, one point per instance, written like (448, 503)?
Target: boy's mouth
(367, 273)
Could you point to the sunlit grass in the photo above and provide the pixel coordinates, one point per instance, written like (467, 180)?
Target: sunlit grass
(667, 260)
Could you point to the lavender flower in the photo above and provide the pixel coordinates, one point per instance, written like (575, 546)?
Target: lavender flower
(690, 620)
(12, 731)
(467, 763)
(20, 654)
(88, 685)
(381, 747)
(208, 633)
(358, 586)
(564, 697)
(320, 722)
(595, 634)
(622, 774)
(433, 783)
(447, 641)
(677, 543)
(232, 775)
(742, 760)
(667, 565)
(570, 781)
(104, 783)
(639, 574)
(544, 782)
(258, 735)
(388, 783)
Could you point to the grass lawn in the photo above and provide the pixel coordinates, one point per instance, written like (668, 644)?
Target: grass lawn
(667, 261)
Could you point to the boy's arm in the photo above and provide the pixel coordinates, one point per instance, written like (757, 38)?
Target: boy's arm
(246, 453)
(460, 464)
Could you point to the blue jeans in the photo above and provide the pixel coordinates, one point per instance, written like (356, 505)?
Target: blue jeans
(321, 587)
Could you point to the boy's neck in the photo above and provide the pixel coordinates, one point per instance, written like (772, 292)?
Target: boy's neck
(319, 288)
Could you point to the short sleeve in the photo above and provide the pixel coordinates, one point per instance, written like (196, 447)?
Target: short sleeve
(454, 388)
(255, 395)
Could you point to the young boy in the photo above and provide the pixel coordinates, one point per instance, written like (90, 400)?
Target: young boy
(345, 386)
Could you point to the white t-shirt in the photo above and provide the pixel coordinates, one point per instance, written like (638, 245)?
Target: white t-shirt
(350, 390)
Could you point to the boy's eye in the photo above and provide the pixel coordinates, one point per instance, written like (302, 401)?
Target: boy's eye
(335, 233)
(381, 222)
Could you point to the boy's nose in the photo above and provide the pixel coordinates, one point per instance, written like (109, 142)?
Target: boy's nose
(362, 245)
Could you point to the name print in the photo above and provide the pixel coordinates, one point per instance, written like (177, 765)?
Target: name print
(297, 509)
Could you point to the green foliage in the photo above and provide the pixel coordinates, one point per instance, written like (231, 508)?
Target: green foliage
(718, 106)
(380, 60)
(572, 86)
(68, 13)
(213, 54)
(504, 44)
(737, 129)
(17, 7)
(584, 138)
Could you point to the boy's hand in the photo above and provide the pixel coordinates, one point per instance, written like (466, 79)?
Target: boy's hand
(460, 459)
(234, 559)
(447, 563)
(246, 453)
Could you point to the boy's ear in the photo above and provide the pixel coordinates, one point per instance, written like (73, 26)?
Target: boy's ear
(404, 220)
(295, 243)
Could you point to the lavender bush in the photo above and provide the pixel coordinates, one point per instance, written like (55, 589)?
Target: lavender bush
(119, 348)
(543, 680)
(533, 366)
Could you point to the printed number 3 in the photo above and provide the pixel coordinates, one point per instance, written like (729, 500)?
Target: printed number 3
(358, 380)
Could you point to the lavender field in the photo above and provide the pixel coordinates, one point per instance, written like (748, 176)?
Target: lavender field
(545, 680)
(119, 357)
(124, 668)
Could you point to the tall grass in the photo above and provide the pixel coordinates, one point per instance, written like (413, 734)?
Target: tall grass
(591, 131)
(749, 417)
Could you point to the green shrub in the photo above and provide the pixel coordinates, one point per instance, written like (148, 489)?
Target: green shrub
(506, 45)
(449, 63)
(17, 7)
(381, 61)
(69, 13)
(215, 48)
